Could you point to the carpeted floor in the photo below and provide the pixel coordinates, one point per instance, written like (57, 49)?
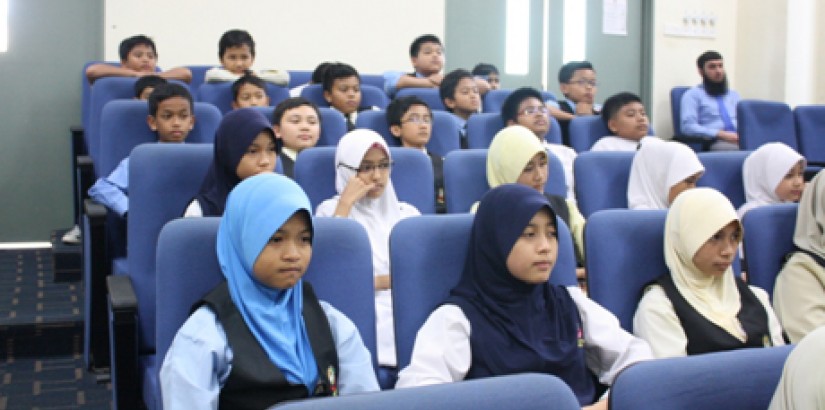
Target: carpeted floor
(41, 341)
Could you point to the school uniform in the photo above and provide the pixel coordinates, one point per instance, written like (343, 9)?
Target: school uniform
(438, 175)
(220, 74)
(570, 108)
(112, 191)
(614, 143)
(657, 166)
(567, 156)
(762, 171)
(803, 380)
(391, 80)
(287, 158)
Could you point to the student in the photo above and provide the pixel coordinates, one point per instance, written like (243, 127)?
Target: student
(138, 57)
(146, 84)
(262, 337)
(625, 117)
(316, 78)
(236, 51)
(427, 57)
(488, 73)
(460, 95)
(342, 90)
(171, 116)
(516, 157)
(577, 81)
(366, 194)
(249, 91)
(411, 121)
(503, 317)
(661, 170)
(245, 146)
(524, 106)
(297, 123)
(803, 382)
(799, 294)
(700, 306)
(772, 174)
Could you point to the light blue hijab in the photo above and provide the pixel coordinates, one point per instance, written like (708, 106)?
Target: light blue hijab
(255, 210)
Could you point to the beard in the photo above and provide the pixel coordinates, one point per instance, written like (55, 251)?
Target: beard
(715, 88)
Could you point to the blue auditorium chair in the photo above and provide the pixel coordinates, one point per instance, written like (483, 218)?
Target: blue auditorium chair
(427, 256)
(198, 75)
(765, 121)
(373, 80)
(768, 239)
(465, 178)
(723, 172)
(219, 94)
(481, 128)
(371, 96)
(494, 99)
(443, 139)
(429, 95)
(298, 77)
(527, 391)
(586, 131)
(810, 128)
(411, 175)
(741, 379)
(601, 180)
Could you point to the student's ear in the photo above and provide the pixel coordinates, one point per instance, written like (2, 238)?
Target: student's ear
(611, 126)
(234, 105)
(277, 130)
(152, 121)
(266, 99)
(510, 122)
(191, 122)
(449, 103)
(395, 130)
(328, 96)
(564, 87)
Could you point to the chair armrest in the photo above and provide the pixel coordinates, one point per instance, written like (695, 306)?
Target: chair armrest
(122, 297)
(123, 334)
(703, 141)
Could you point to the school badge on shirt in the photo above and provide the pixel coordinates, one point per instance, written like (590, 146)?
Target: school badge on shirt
(333, 383)
(580, 338)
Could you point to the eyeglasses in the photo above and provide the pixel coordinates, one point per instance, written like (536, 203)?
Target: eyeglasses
(418, 119)
(533, 109)
(369, 168)
(583, 83)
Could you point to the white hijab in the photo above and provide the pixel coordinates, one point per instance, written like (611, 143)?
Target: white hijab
(377, 215)
(763, 170)
(657, 166)
(694, 217)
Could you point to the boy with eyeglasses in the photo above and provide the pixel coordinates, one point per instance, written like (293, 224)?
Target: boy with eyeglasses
(577, 81)
(411, 121)
(524, 106)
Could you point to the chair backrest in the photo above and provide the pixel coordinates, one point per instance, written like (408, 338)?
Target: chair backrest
(86, 91)
(298, 77)
(723, 172)
(768, 238)
(412, 176)
(481, 128)
(187, 268)
(123, 127)
(220, 94)
(601, 180)
(494, 99)
(738, 379)
(465, 178)
(429, 95)
(443, 139)
(629, 245)
(163, 179)
(765, 121)
(810, 128)
(585, 131)
(371, 96)
(198, 74)
(374, 80)
(427, 256)
(102, 91)
(676, 94)
(526, 391)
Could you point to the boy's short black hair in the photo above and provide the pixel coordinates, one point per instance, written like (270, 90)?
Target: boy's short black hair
(707, 56)
(290, 103)
(336, 71)
(319, 73)
(166, 91)
(247, 78)
(450, 82)
(484, 69)
(614, 104)
(235, 38)
(399, 106)
(147, 81)
(566, 71)
(129, 43)
(509, 109)
(415, 47)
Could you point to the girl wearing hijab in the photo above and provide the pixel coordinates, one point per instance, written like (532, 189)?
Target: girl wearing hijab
(701, 306)
(245, 145)
(262, 336)
(799, 294)
(366, 194)
(802, 385)
(772, 174)
(516, 156)
(661, 170)
(504, 317)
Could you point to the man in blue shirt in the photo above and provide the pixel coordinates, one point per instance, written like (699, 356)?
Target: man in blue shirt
(709, 109)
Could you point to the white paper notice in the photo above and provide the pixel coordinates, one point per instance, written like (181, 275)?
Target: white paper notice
(614, 17)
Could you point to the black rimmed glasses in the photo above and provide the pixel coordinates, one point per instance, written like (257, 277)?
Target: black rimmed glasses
(369, 168)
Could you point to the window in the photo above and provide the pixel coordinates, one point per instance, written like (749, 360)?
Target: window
(4, 25)
(517, 43)
(575, 30)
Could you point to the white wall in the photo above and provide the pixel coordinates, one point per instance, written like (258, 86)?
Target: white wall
(371, 35)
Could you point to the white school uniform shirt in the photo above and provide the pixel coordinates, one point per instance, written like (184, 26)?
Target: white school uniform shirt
(567, 156)
(614, 143)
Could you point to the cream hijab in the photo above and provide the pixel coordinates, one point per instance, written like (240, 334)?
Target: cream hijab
(694, 217)
(377, 215)
(657, 166)
(763, 170)
(511, 149)
(810, 219)
(802, 385)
